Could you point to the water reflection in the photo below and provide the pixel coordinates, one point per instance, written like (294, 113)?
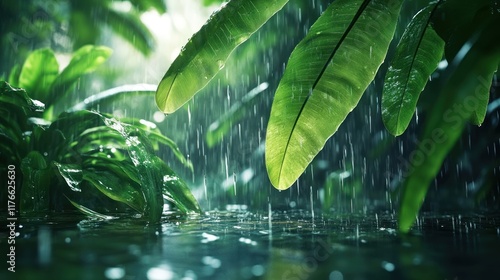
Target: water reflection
(238, 245)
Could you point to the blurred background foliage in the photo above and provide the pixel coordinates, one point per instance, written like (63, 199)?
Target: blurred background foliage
(146, 36)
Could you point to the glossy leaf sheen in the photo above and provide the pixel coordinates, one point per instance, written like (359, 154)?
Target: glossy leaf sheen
(38, 72)
(473, 70)
(207, 51)
(85, 60)
(326, 76)
(417, 56)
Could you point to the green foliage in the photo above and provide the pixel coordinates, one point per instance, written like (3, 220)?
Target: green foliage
(40, 75)
(314, 91)
(207, 51)
(339, 57)
(93, 161)
(470, 76)
(417, 56)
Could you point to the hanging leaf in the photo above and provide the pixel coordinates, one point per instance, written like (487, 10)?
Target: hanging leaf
(326, 75)
(474, 64)
(417, 56)
(85, 60)
(207, 51)
(130, 27)
(39, 71)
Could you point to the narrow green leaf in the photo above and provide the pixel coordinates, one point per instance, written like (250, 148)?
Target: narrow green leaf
(218, 129)
(110, 95)
(14, 74)
(85, 60)
(34, 196)
(417, 56)
(326, 75)
(89, 212)
(471, 74)
(130, 27)
(114, 187)
(39, 71)
(176, 190)
(145, 5)
(207, 51)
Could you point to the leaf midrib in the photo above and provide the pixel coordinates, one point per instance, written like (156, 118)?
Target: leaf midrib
(405, 88)
(361, 9)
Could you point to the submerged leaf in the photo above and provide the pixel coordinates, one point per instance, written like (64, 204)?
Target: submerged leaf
(326, 75)
(417, 56)
(471, 74)
(207, 51)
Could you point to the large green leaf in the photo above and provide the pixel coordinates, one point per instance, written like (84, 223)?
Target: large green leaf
(85, 60)
(326, 75)
(38, 72)
(471, 74)
(207, 51)
(417, 56)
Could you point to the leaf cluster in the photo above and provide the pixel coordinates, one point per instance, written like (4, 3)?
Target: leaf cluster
(95, 162)
(330, 69)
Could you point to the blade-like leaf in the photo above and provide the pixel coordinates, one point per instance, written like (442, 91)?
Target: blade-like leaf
(36, 181)
(472, 72)
(85, 60)
(207, 51)
(111, 95)
(326, 76)
(39, 71)
(175, 189)
(218, 129)
(130, 27)
(417, 56)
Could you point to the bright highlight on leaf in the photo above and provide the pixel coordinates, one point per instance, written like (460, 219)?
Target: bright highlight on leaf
(417, 56)
(326, 76)
(207, 51)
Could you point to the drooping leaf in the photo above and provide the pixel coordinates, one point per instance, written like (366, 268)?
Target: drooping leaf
(417, 56)
(218, 129)
(207, 51)
(111, 95)
(145, 5)
(85, 60)
(38, 72)
(471, 74)
(175, 189)
(130, 27)
(143, 159)
(89, 212)
(326, 75)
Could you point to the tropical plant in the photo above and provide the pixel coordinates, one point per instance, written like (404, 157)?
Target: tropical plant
(97, 163)
(71, 24)
(330, 69)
